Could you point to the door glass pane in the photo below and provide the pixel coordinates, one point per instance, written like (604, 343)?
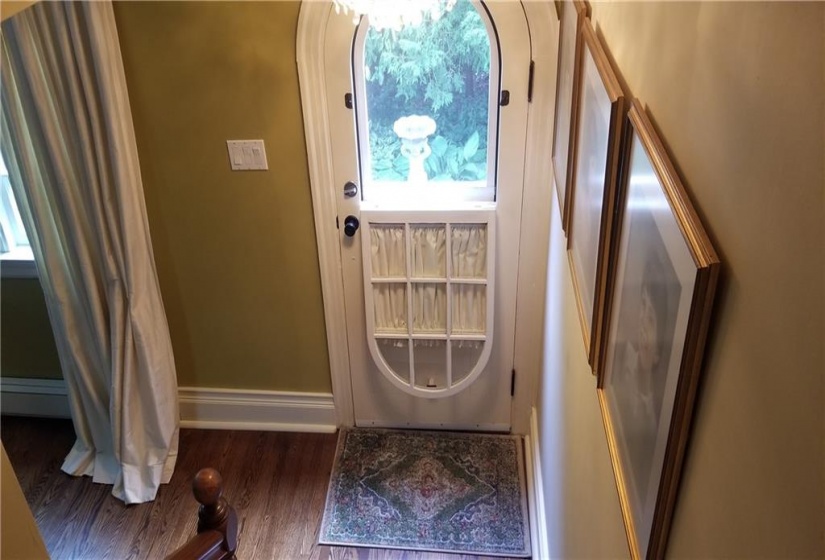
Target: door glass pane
(390, 303)
(429, 244)
(469, 309)
(397, 355)
(464, 354)
(430, 359)
(427, 88)
(388, 250)
(429, 308)
(469, 251)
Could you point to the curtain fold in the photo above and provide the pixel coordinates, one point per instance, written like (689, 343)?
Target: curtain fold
(429, 308)
(390, 303)
(469, 308)
(469, 251)
(388, 249)
(429, 245)
(68, 141)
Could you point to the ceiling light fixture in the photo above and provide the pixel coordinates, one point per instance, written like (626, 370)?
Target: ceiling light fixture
(394, 14)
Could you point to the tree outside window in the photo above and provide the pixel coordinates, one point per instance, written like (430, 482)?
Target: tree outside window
(439, 69)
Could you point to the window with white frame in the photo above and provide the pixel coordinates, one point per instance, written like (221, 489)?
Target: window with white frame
(15, 249)
(427, 93)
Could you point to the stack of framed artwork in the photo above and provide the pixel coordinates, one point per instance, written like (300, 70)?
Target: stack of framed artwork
(591, 195)
(644, 273)
(571, 16)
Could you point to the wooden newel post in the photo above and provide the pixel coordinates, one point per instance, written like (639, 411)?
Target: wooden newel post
(215, 514)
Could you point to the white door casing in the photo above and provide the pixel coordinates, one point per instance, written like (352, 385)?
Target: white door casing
(322, 116)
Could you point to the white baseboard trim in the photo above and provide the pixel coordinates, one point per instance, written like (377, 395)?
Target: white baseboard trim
(202, 408)
(535, 491)
(238, 409)
(34, 397)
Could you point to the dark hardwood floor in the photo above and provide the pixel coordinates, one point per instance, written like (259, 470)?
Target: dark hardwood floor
(276, 481)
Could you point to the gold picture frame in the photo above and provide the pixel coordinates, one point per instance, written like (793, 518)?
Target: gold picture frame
(571, 16)
(591, 195)
(664, 273)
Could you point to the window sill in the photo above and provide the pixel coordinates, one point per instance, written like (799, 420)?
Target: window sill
(18, 263)
(435, 195)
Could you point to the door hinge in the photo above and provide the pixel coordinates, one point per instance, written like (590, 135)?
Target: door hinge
(337, 225)
(513, 383)
(530, 82)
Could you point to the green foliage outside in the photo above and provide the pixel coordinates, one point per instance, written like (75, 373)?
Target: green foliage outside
(439, 69)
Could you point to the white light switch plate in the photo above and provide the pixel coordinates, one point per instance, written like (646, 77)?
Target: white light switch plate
(245, 155)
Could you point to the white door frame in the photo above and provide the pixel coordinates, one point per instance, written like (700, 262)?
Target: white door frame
(312, 24)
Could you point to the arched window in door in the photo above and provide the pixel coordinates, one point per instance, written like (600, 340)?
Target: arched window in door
(426, 93)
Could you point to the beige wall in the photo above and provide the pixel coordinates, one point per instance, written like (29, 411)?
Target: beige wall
(21, 540)
(737, 92)
(580, 497)
(235, 251)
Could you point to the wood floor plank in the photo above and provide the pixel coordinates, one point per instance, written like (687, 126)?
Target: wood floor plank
(277, 483)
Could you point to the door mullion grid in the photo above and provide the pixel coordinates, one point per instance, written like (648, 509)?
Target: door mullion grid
(408, 250)
(448, 229)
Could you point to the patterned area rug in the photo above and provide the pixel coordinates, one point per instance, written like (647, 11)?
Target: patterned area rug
(434, 491)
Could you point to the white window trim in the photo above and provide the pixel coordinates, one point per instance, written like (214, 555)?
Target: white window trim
(18, 263)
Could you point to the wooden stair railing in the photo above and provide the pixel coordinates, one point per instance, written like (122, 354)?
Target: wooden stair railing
(217, 537)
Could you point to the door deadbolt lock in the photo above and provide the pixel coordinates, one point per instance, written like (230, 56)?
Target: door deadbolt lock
(350, 189)
(350, 225)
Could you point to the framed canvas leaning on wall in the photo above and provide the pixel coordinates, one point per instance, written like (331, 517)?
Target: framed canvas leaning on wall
(664, 273)
(572, 15)
(591, 195)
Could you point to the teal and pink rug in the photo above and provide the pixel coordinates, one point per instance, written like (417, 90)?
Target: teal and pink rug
(432, 491)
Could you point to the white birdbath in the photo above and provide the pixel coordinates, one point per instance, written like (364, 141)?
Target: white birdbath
(413, 132)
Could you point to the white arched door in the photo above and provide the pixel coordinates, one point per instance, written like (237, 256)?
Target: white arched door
(429, 281)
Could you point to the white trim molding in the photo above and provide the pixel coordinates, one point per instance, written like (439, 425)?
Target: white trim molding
(535, 491)
(11, 267)
(535, 222)
(46, 398)
(200, 407)
(312, 22)
(236, 409)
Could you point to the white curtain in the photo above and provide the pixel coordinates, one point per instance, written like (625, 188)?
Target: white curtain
(390, 303)
(68, 141)
(429, 244)
(428, 260)
(469, 308)
(429, 308)
(469, 251)
(388, 251)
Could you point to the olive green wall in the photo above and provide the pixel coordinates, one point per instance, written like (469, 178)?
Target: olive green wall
(235, 251)
(736, 90)
(10, 7)
(27, 346)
